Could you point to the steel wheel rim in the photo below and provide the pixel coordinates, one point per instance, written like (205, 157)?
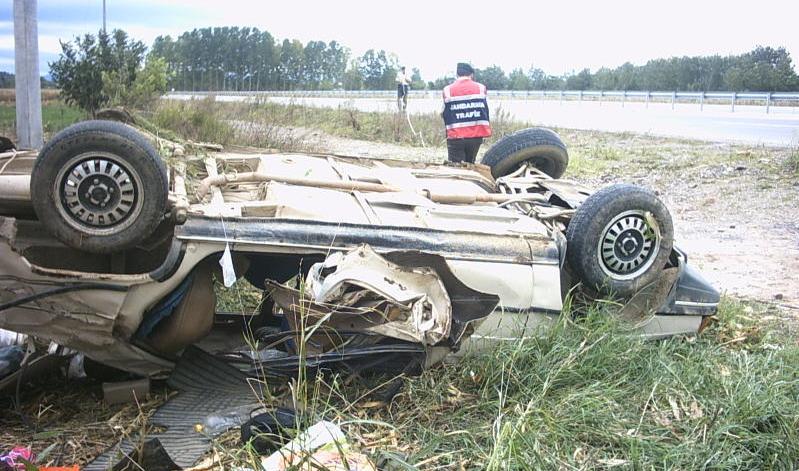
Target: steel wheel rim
(629, 245)
(98, 194)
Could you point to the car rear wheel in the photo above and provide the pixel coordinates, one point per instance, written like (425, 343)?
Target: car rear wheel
(619, 239)
(99, 186)
(540, 147)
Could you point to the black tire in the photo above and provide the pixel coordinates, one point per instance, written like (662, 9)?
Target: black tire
(99, 186)
(619, 239)
(541, 147)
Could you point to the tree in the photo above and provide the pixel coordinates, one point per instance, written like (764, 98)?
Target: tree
(353, 80)
(763, 69)
(377, 70)
(416, 80)
(440, 83)
(492, 77)
(518, 80)
(579, 81)
(150, 83)
(6, 80)
(79, 70)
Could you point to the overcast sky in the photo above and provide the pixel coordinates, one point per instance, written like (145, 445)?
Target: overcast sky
(557, 36)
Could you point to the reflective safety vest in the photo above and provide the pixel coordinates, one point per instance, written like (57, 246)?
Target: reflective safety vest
(466, 109)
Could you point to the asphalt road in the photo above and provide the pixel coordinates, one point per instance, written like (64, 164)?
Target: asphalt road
(747, 124)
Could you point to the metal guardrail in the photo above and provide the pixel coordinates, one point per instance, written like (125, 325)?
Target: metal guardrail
(766, 99)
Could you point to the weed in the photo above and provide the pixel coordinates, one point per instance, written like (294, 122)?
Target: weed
(792, 162)
(196, 120)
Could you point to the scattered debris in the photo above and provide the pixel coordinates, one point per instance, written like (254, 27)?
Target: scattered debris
(126, 391)
(10, 359)
(17, 458)
(213, 398)
(322, 446)
(267, 431)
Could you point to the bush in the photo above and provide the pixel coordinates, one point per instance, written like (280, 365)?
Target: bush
(150, 83)
(95, 72)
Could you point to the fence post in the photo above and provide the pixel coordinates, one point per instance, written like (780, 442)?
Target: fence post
(601, 96)
(623, 98)
(768, 102)
(561, 97)
(673, 99)
(648, 96)
(581, 96)
(732, 102)
(701, 101)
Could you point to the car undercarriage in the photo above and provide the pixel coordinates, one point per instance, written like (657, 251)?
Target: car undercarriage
(366, 263)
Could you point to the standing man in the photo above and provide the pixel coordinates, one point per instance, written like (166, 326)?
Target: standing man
(465, 115)
(403, 85)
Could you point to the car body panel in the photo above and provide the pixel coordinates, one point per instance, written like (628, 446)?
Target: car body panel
(512, 251)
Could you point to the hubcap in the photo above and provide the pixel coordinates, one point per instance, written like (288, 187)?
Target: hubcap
(629, 245)
(98, 193)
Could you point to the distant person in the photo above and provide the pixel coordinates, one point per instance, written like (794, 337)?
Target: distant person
(403, 86)
(465, 115)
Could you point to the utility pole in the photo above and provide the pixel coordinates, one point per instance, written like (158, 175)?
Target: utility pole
(104, 16)
(26, 70)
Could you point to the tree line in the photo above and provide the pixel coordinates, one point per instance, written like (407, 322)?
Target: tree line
(234, 58)
(94, 71)
(762, 69)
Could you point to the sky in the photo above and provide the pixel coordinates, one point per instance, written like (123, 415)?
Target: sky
(559, 36)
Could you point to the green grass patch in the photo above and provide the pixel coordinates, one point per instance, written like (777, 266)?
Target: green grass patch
(55, 117)
(587, 395)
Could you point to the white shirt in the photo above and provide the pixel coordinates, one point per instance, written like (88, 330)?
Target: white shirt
(403, 78)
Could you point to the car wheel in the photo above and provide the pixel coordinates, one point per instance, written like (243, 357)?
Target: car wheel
(540, 147)
(619, 239)
(99, 186)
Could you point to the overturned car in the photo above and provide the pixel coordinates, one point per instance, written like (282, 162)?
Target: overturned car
(114, 248)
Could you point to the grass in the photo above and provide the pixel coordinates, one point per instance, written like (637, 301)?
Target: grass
(55, 117)
(586, 396)
(583, 395)
(792, 162)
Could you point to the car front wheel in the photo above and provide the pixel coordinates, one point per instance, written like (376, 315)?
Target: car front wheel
(619, 239)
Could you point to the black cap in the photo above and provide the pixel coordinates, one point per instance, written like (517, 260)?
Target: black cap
(464, 69)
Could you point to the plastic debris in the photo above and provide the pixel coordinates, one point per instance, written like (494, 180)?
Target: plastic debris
(126, 391)
(17, 458)
(10, 359)
(322, 446)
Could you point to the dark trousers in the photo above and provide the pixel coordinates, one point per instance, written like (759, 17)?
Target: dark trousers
(463, 150)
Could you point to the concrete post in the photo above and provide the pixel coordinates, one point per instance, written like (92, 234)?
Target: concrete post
(28, 83)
